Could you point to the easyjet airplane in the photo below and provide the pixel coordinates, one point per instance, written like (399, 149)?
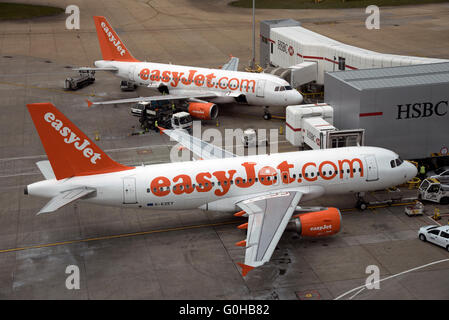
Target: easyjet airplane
(265, 188)
(202, 88)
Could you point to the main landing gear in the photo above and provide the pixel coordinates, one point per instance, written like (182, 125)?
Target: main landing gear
(267, 114)
(361, 203)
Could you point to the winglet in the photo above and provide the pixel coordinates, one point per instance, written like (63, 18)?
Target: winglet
(245, 268)
(89, 103)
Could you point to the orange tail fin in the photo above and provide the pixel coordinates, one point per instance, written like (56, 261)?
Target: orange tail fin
(112, 48)
(70, 152)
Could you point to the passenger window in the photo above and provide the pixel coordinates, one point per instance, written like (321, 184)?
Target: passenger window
(444, 235)
(434, 189)
(435, 232)
(276, 89)
(282, 89)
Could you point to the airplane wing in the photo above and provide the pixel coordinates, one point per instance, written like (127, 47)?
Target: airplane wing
(231, 65)
(66, 197)
(268, 216)
(154, 98)
(199, 147)
(95, 69)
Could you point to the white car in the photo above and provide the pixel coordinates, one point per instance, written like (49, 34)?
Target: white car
(435, 234)
(441, 174)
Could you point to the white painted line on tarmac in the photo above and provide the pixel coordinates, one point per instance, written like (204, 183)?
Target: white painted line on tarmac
(361, 288)
(434, 220)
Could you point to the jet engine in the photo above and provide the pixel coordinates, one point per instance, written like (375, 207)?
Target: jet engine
(203, 110)
(324, 222)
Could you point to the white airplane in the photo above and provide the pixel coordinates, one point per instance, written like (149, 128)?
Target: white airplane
(265, 188)
(202, 88)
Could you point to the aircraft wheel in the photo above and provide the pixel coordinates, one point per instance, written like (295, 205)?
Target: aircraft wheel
(362, 205)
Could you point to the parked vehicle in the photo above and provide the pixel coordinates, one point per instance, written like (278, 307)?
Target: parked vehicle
(85, 78)
(442, 174)
(432, 189)
(438, 235)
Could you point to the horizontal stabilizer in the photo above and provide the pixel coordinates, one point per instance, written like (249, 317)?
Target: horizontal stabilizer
(46, 169)
(66, 197)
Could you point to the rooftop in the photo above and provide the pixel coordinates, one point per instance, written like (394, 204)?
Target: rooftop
(402, 76)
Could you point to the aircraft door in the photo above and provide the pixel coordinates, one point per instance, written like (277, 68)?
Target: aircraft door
(129, 190)
(260, 88)
(131, 72)
(371, 168)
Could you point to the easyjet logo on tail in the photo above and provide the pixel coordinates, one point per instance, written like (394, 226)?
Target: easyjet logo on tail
(112, 39)
(72, 138)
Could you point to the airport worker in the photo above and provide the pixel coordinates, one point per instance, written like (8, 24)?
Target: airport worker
(422, 172)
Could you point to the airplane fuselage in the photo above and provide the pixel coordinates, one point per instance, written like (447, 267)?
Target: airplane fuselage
(219, 184)
(232, 86)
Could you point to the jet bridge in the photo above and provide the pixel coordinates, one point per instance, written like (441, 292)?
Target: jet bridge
(310, 126)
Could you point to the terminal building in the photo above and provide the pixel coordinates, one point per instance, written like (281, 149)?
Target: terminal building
(405, 109)
(396, 102)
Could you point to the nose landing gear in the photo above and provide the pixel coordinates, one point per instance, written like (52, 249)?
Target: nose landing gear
(361, 203)
(267, 114)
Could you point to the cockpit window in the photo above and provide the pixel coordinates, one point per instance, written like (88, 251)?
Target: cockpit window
(288, 88)
(276, 89)
(396, 162)
(282, 89)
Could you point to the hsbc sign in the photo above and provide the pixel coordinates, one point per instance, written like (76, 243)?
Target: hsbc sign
(421, 110)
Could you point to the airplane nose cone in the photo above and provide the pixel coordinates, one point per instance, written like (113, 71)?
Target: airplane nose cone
(412, 171)
(297, 98)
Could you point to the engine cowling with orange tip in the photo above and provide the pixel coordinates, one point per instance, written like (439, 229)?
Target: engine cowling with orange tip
(321, 223)
(203, 110)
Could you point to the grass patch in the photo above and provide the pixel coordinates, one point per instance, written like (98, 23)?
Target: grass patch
(17, 11)
(326, 4)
